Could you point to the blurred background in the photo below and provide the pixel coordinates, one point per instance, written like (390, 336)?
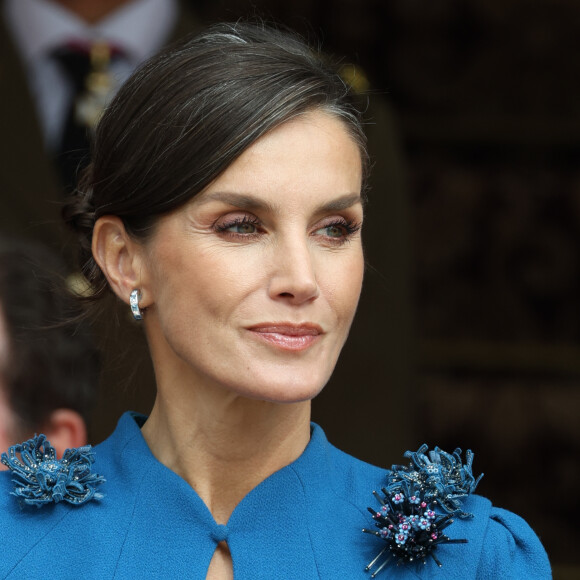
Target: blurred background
(468, 332)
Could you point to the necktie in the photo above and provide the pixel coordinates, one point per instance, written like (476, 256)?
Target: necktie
(87, 67)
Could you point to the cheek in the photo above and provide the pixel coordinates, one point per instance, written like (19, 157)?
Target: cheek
(202, 282)
(342, 286)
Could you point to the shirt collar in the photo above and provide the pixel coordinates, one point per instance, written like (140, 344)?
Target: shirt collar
(139, 28)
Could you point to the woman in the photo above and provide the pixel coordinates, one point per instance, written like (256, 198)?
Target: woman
(224, 205)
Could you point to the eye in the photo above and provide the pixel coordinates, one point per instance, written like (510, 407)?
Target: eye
(338, 230)
(332, 231)
(242, 228)
(238, 226)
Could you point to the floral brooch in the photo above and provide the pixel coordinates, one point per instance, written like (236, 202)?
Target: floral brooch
(418, 503)
(41, 478)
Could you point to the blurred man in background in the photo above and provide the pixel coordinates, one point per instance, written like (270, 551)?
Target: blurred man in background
(49, 367)
(60, 63)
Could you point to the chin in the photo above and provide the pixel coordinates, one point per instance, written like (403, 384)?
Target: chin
(292, 388)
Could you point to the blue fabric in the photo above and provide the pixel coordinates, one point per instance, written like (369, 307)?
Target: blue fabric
(303, 522)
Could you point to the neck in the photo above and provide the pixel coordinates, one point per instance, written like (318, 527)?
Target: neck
(224, 445)
(91, 11)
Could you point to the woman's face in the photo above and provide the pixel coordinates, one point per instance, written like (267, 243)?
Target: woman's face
(253, 285)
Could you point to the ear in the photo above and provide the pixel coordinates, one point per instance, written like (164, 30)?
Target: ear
(119, 256)
(64, 429)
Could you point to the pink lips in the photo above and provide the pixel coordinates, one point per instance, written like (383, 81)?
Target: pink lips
(288, 336)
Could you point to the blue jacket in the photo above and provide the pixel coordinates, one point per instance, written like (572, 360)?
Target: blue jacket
(303, 522)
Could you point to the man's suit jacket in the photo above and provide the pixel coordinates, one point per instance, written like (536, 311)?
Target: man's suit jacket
(29, 185)
(31, 192)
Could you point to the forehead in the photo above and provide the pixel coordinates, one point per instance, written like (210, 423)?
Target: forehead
(312, 153)
(322, 134)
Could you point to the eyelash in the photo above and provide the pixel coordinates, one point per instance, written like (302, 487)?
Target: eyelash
(349, 227)
(238, 221)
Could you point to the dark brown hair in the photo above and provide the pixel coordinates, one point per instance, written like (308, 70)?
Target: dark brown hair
(188, 113)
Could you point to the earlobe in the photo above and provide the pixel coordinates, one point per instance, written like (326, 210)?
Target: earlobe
(118, 256)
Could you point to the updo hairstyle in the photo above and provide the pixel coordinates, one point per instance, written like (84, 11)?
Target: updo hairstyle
(187, 114)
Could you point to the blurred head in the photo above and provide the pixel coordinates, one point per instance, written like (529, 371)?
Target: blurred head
(201, 122)
(48, 368)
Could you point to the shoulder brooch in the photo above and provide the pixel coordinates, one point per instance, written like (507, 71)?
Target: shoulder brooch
(418, 502)
(41, 478)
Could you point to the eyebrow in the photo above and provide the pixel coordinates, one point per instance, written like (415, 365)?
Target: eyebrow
(342, 202)
(250, 202)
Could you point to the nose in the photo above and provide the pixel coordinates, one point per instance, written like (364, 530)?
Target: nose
(293, 276)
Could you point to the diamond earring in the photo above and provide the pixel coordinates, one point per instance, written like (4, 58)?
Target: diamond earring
(134, 302)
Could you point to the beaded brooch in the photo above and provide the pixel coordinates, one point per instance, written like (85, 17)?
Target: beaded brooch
(41, 478)
(418, 502)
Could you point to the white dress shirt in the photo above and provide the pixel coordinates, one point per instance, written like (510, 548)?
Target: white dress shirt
(139, 29)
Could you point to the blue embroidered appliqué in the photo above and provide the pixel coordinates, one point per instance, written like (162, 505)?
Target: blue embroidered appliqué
(41, 478)
(444, 477)
(407, 520)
